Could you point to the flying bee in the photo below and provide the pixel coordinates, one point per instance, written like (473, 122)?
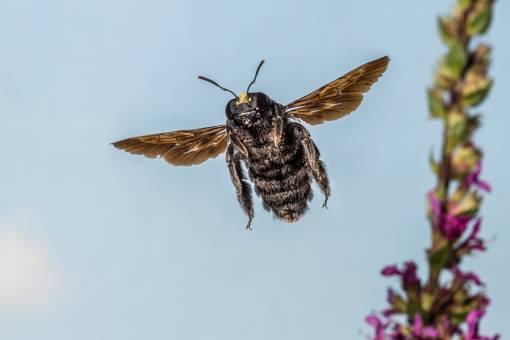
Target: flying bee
(279, 156)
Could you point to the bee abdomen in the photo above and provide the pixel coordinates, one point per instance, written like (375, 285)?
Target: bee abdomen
(290, 204)
(284, 188)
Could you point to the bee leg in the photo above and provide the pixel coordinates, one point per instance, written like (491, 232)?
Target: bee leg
(313, 158)
(243, 189)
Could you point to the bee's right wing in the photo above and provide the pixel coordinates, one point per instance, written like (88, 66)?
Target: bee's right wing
(185, 147)
(339, 97)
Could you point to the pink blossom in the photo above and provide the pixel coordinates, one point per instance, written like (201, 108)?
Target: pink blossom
(473, 242)
(408, 274)
(450, 225)
(453, 226)
(378, 325)
(467, 277)
(391, 271)
(473, 322)
(474, 179)
(420, 331)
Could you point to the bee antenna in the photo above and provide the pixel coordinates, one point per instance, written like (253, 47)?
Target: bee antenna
(215, 83)
(256, 74)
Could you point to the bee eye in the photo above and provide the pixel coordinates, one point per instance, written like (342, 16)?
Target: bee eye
(262, 101)
(228, 109)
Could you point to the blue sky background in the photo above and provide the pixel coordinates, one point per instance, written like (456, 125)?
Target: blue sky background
(137, 249)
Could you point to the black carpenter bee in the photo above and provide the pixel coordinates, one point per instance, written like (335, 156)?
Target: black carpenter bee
(278, 153)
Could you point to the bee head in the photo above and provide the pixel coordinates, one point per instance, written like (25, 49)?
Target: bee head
(252, 108)
(247, 107)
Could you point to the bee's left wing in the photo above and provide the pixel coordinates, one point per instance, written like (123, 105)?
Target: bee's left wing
(185, 147)
(340, 97)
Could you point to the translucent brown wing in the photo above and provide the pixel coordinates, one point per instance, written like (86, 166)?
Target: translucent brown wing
(185, 147)
(340, 97)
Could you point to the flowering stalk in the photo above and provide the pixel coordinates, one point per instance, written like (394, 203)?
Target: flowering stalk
(451, 307)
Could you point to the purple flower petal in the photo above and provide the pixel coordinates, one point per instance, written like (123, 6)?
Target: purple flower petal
(420, 331)
(472, 321)
(475, 230)
(473, 242)
(430, 332)
(474, 179)
(467, 277)
(391, 295)
(409, 277)
(453, 226)
(379, 326)
(388, 312)
(418, 324)
(396, 333)
(472, 277)
(391, 271)
(373, 321)
(484, 185)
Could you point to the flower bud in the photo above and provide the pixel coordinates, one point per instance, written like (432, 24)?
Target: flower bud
(468, 206)
(454, 62)
(447, 27)
(464, 159)
(479, 18)
(436, 103)
(481, 59)
(457, 129)
(475, 89)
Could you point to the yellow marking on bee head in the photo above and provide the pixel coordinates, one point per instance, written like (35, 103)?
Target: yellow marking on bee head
(243, 98)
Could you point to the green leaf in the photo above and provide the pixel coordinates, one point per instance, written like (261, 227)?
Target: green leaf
(476, 95)
(457, 129)
(479, 21)
(412, 308)
(456, 60)
(400, 304)
(434, 165)
(439, 257)
(458, 317)
(464, 3)
(444, 28)
(436, 105)
(427, 300)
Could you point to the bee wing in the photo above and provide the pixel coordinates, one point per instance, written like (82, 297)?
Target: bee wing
(340, 97)
(185, 147)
